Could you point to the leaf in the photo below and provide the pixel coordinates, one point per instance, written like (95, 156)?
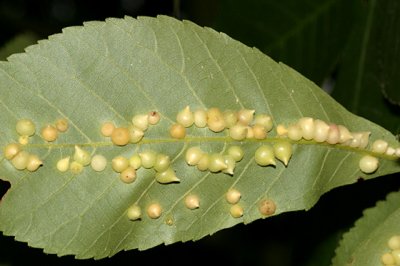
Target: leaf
(110, 71)
(387, 49)
(298, 33)
(363, 76)
(367, 241)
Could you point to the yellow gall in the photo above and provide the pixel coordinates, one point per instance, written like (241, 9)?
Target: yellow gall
(62, 124)
(33, 163)
(264, 120)
(119, 164)
(153, 117)
(23, 140)
(98, 163)
(135, 161)
(307, 127)
(236, 211)
(169, 220)
(20, 161)
(294, 132)
(233, 196)
(217, 163)
(148, 158)
(128, 175)
(177, 131)
(390, 151)
(25, 127)
(76, 167)
(162, 162)
(135, 133)
(134, 212)
(368, 164)
(321, 130)
(245, 116)
(185, 117)
(250, 132)
(215, 120)
(49, 133)
(230, 164)
(388, 259)
(120, 136)
(344, 134)
(379, 146)
(107, 129)
(11, 150)
(394, 242)
(81, 156)
(192, 202)
(359, 139)
(238, 132)
(154, 210)
(281, 130)
(141, 121)
(230, 118)
(204, 162)
(200, 118)
(267, 207)
(333, 134)
(396, 256)
(166, 177)
(259, 131)
(63, 164)
(236, 152)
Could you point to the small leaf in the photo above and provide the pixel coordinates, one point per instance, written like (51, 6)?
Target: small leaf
(367, 241)
(113, 70)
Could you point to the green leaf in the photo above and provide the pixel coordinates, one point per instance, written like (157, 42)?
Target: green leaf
(367, 241)
(110, 71)
(387, 49)
(368, 67)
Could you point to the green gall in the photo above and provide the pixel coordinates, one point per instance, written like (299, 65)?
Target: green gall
(283, 151)
(134, 212)
(148, 158)
(236, 152)
(264, 155)
(166, 177)
(162, 162)
(81, 156)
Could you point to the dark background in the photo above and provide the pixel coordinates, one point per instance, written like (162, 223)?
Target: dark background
(323, 40)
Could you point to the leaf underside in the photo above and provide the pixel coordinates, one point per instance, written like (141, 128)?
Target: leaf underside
(109, 71)
(367, 241)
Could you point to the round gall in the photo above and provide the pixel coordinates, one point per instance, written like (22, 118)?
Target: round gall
(154, 210)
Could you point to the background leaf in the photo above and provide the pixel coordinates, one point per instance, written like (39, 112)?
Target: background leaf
(307, 35)
(364, 74)
(17, 44)
(378, 224)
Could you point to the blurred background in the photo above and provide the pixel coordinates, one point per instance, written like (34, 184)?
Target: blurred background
(351, 48)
